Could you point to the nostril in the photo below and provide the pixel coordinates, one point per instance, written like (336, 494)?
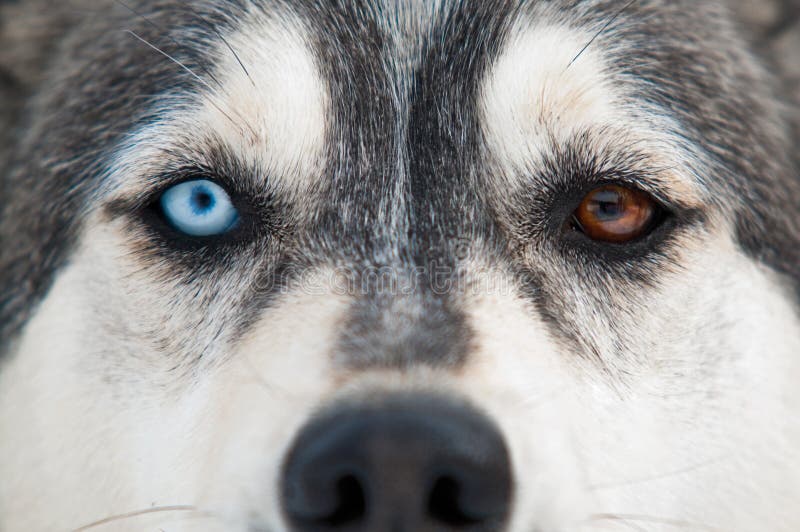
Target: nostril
(328, 501)
(407, 464)
(351, 504)
(445, 505)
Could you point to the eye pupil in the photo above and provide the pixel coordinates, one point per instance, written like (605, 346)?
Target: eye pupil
(607, 205)
(202, 200)
(616, 214)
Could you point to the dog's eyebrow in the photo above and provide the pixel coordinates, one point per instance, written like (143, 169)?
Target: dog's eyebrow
(600, 156)
(257, 96)
(163, 156)
(539, 98)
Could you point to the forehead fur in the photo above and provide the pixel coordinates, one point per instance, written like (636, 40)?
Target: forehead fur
(402, 82)
(272, 101)
(546, 89)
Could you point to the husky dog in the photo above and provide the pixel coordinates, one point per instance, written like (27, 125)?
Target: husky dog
(395, 266)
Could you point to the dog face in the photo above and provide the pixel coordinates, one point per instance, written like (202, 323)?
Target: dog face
(559, 236)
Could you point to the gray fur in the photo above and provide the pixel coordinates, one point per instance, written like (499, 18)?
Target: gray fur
(405, 185)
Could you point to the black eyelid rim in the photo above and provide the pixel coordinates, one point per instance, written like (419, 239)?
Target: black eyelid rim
(561, 209)
(146, 207)
(560, 203)
(633, 181)
(650, 243)
(248, 203)
(666, 225)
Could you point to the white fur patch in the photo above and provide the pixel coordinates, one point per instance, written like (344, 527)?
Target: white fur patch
(267, 105)
(547, 87)
(89, 408)
(271, 108)
(535, 92)
(689, 440)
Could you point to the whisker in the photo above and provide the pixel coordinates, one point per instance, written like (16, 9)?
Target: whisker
(653, 478)
(270, 388)
(187, 69)
(628, 525)
(167, 36)
(138, 513)
(538, 401)
(222, 38)
(634, 518)
(171, 58)
(599, 33)
(238, 59)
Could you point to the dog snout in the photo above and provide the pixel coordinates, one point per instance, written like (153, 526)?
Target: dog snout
(406, 464)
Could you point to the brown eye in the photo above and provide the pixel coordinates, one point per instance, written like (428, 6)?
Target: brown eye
(616, 214)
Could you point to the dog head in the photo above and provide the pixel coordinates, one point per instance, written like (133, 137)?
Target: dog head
(479, 266)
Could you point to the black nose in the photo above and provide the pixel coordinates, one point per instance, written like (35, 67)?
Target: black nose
(406, 464)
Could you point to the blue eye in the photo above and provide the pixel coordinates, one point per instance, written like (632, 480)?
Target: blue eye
(199, 208)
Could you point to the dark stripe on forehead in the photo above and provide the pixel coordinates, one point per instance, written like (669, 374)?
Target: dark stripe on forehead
(403, 156)
(445, 141)
(404, 131)
(351, 48)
